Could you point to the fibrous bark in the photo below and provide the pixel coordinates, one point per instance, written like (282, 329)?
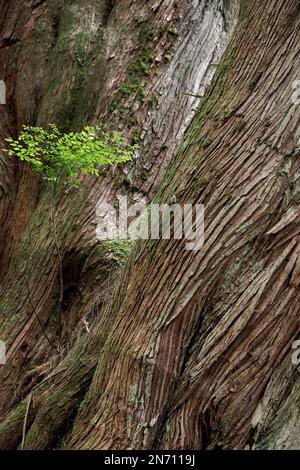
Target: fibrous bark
(65, 63)
(193, 357)
(193, 349)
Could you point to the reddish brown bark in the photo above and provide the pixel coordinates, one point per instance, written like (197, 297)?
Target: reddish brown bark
(199, 336)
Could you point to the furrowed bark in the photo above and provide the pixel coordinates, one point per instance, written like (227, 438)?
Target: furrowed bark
(200, 337)
(75, 66)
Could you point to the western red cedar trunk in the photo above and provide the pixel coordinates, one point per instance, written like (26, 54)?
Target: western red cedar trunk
(194, 348)
(194, 354)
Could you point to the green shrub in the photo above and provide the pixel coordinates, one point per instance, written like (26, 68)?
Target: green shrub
(57, 156)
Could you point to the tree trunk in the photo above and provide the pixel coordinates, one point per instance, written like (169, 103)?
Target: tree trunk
(187, 349)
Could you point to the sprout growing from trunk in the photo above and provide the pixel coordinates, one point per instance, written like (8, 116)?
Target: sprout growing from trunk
(58, 156)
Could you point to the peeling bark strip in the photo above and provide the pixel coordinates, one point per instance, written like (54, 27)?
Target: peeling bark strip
(194, 349)
(65, 63)
(198, 339)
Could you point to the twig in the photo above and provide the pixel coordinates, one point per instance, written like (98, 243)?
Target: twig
(195, 96)
(53, 374)
(32, 304)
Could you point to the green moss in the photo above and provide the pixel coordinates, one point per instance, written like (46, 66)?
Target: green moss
(224, 65)
(206, 114)
(205, 109)
(144, 61)
(83, 58)
(71, 52)
(139, 69)
(135, 139)
(220, 77)
(152, 100)
(144, 175)
(4, 305)
(53, 323)
(132, 86)
(147, 33)
(200, 185)
(14, 420)
(65, 29)
(132, 121)
(116, 204)
(141, 93)
(237, 264)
